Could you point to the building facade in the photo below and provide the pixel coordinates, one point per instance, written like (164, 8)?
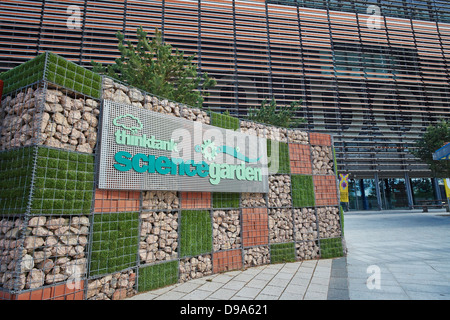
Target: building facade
(373, 73)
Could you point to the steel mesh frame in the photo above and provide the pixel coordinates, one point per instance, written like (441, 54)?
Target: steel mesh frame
(230, 261)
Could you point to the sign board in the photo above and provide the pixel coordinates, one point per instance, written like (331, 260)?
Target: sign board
(145, 150)
(442, 153)
(343, 187)
(447, 187)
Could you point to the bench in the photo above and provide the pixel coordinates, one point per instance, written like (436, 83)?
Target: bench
(426, 204)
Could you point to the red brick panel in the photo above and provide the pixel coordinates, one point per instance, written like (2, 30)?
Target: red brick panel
(326, 190)
(116, 201)
(300, 157)
(255, 229)
(59, 292)
(196, 200)
(227, 260)
(319, 139)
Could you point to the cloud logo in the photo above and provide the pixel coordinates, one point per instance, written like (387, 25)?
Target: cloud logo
(129, 122)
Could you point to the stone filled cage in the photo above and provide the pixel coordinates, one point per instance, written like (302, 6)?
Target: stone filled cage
(63, 238)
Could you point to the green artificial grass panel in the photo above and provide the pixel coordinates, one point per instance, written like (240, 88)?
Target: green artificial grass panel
(224, 121)
(64, 182)
(282, 252)
(59, 71)
(331, 248)
(115, 242)
(157, 276)
(16, 169)
(23, 75)
(71, 76)
(226, 200)
(341, 216)
(279, 163)
(195, 233)
(302, 191)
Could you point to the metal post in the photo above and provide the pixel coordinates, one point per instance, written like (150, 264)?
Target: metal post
(377, 190)
(408, 191)
(437, 189)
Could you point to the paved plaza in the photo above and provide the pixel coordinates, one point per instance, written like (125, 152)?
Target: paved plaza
(398, 255)
(392, 255)
(307, 280)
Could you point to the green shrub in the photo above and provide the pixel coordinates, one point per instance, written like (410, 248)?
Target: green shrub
(195, 233)
(226, 200)
(331, 248)
(158, 276)
(282, 252)
(302, 191)
(280, 163)
(115, 242)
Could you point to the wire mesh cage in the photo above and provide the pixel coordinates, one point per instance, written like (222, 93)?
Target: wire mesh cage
(256, 256)
(158, 236)
(226, 230)
(300, 158)
(281, 225)
(282, 252)
(61, 238)
(20, 116)
(116, 286)
(196, 200)
(195, 232)
(325, 190)
(160, 200)
(195, 267)
(305, 224)
(50, 253)
(307, 250)
(279, 191)
(253, 200)
(255, 230)
(158, 275)
(115, 242)
(227, 260)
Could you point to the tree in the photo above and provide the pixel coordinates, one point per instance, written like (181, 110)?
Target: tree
(153, 66)
(434, 138)
(270, 113)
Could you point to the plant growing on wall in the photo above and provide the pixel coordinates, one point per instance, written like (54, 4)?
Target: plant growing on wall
(115, 241)
(302, 191)
(270, 113)
(157, 276)
(282, 252)
(153, 66)
(331, 248)
(196, 232)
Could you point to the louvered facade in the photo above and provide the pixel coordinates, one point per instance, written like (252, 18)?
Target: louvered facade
(374, 82)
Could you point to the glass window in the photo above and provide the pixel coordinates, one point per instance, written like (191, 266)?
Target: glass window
(393, 194)
(422, 189)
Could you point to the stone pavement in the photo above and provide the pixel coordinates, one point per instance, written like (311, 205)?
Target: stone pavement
(396, 255)
(303, 280)
(391, 255)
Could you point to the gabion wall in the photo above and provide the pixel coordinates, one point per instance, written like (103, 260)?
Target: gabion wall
(63, 238)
